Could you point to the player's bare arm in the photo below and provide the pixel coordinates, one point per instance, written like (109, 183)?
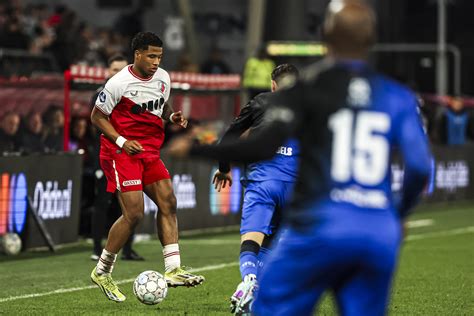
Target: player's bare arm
(101, 121)
(174, 117)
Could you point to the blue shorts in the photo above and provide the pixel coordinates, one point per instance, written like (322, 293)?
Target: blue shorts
(263, 201)
(354, 256)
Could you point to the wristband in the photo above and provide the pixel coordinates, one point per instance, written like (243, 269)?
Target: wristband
(171, 117)
(120, 141)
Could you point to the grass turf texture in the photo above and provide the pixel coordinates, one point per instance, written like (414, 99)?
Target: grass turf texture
(435, 275)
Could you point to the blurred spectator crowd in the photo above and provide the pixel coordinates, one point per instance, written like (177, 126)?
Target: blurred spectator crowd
(36, 132)
(40, 28)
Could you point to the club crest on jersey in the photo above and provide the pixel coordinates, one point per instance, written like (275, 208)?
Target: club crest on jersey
(359, 92)
(161, 86)
(102, 96)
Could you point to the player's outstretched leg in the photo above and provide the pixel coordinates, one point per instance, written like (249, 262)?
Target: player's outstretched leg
(132, 208)
(248, 259)
(108, 286)
(161, 192)
(180, 277)
(242, 299)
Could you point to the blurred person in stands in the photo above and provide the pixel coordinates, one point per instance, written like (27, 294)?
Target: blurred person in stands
(257, 73)
(130, 113)
(81, 142)
(13, 36)
(130, 22)
(185, 64)
(9, 138)
(67, 44)
(53, 119)
(34, 16)
(452, 123)
(106, 208)
(215, 64)
(31, 136)
(41, 41)
(58, 15)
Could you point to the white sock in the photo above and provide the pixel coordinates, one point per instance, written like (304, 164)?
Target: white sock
(106, 262)
(172, 257)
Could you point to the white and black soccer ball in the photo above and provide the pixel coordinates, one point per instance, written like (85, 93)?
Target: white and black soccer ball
(150, 287)
(11, 244)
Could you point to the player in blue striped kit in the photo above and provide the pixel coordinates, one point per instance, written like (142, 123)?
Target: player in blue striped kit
(268, 185)
(343, 228)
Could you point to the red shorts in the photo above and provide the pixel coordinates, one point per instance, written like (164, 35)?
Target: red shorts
(132, 174)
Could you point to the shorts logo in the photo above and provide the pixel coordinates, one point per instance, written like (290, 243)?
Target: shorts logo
(102, 96)
(131, 182)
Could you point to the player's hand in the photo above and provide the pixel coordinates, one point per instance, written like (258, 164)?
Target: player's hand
(221, 179)
(179, 147)
(132, 147)
(178, 118)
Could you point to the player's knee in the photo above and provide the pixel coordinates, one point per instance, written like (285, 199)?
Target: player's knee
(169, 205)
(133, 218)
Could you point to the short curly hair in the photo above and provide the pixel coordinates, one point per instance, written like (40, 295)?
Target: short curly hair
(284, 70)
(142, 40)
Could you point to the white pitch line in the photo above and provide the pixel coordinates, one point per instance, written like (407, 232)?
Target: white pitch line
(457, 231)
(420, 223)
(75, 289)
(452, 232)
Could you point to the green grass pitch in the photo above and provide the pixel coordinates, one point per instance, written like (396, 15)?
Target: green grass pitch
(435, 275)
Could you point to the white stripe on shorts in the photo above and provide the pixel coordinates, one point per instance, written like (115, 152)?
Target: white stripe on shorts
(116, 176)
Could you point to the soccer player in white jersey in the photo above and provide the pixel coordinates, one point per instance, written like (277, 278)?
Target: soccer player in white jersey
(130, 113)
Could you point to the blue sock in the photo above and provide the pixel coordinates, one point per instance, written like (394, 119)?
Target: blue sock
(249, 258)
(248, 263)
(262, 257)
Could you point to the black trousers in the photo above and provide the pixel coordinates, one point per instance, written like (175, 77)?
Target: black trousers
(106, 211)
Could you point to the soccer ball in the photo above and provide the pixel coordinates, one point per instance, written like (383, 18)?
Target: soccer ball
(11, 244)
(150, 287)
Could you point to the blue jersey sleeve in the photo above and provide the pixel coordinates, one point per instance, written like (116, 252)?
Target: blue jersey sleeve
(416, 154)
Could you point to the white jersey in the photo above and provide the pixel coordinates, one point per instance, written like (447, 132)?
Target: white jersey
(134, 106)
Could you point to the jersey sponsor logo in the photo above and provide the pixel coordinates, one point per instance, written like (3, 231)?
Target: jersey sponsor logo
(286, 151)
(52, 202)
(149, 106)
(102, 97)
(128, 183)
(360, 197)
(13, 202)
(133, 93)
(227, 201)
